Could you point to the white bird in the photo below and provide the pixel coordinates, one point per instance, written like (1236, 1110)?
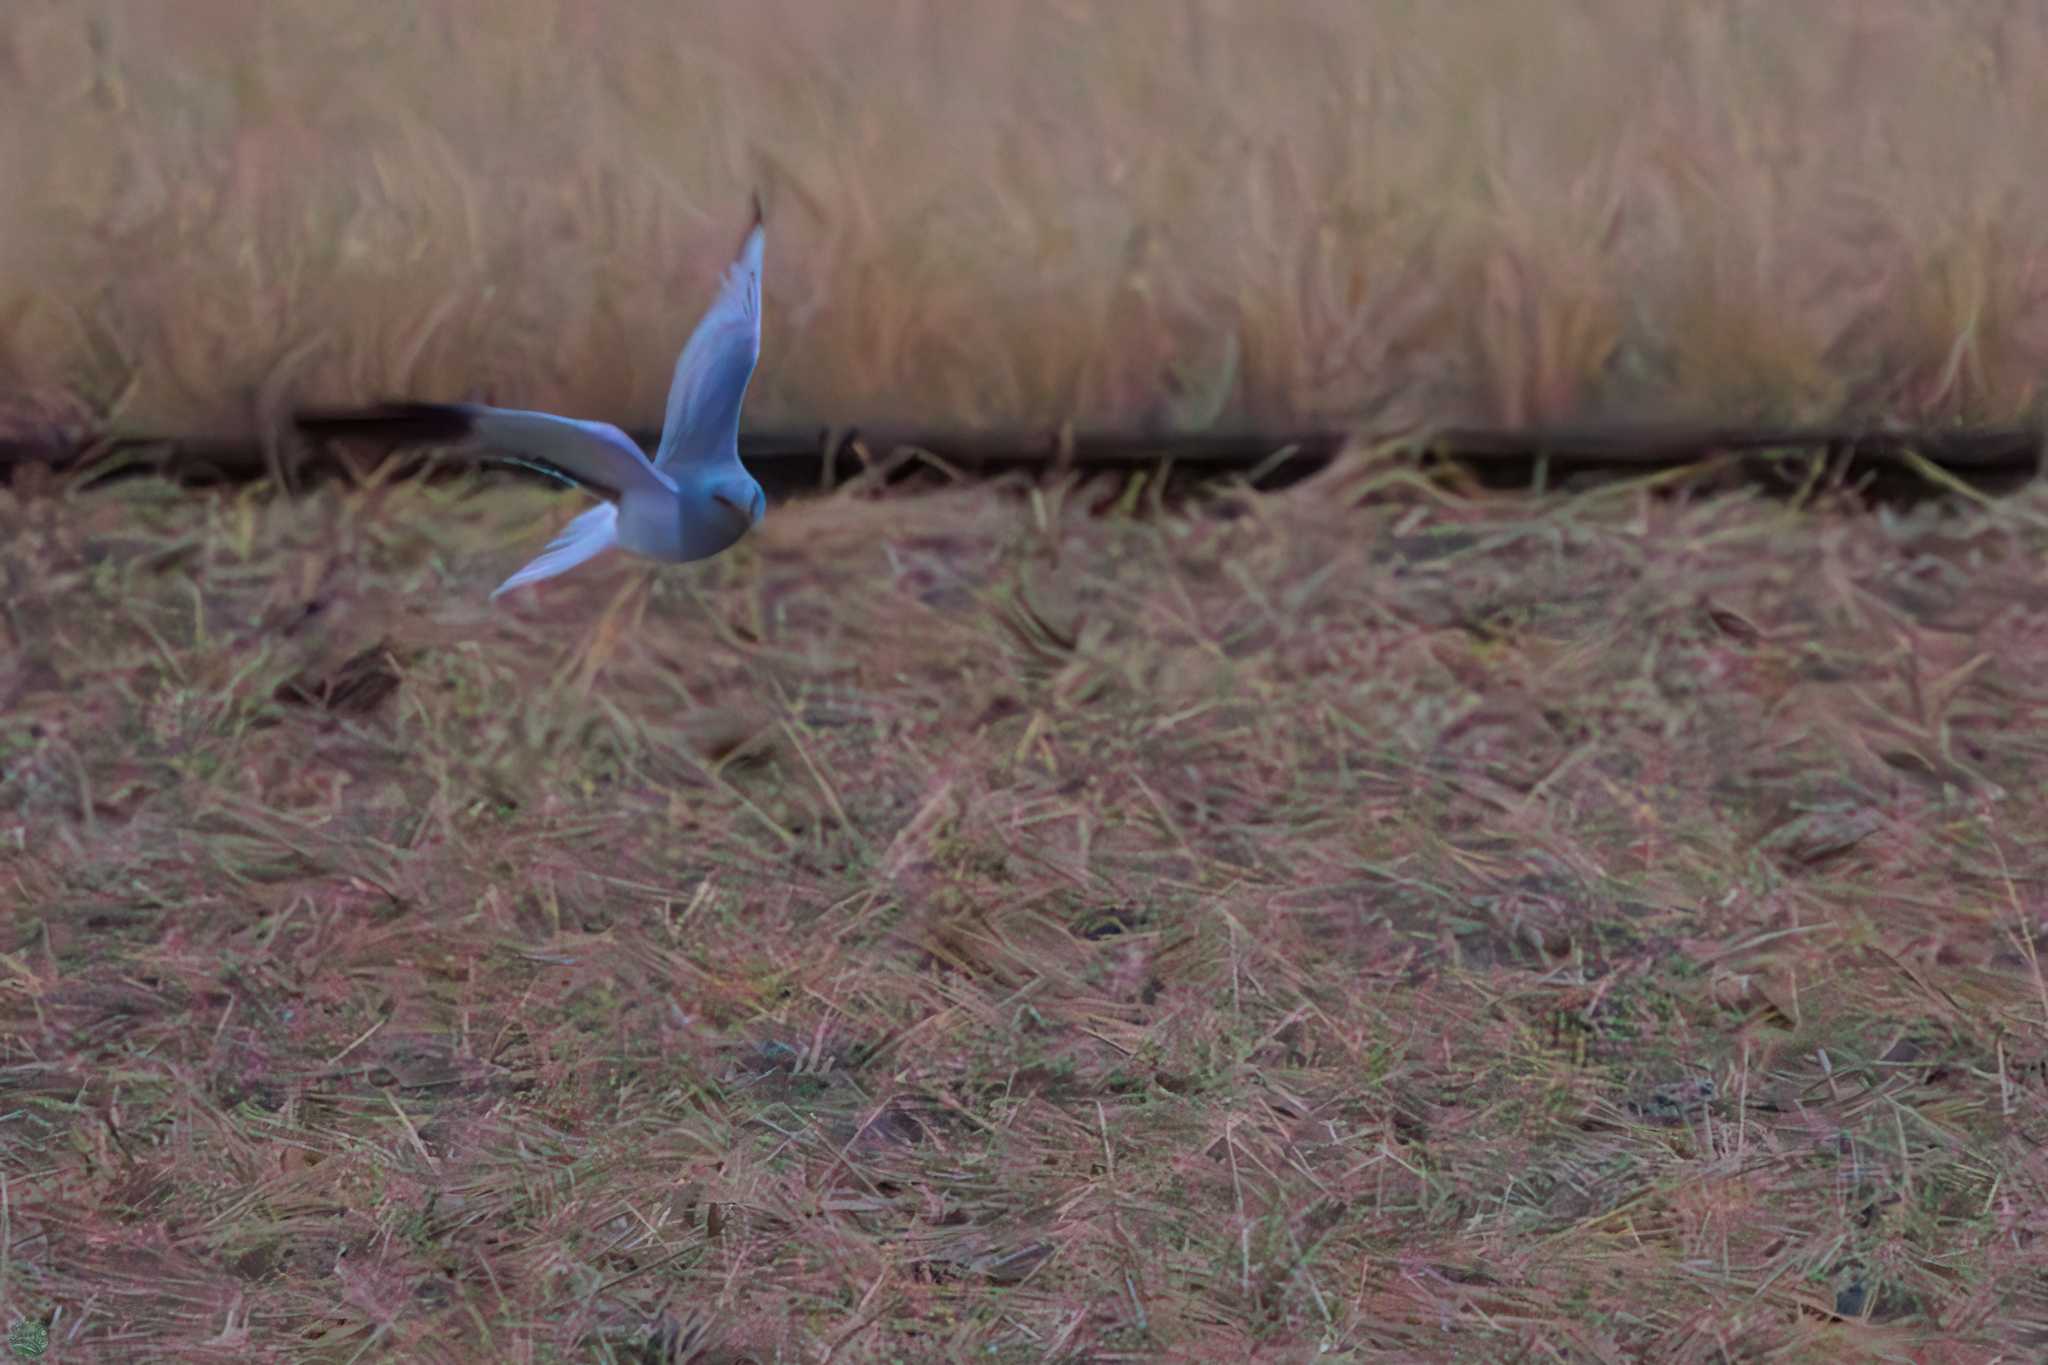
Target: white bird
(694, 500)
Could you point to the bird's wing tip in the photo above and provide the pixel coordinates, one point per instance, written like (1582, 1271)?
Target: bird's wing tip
(401, 419)
(757, 227)
(752, 243)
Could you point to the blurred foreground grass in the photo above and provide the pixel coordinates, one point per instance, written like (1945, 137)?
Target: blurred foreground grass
(1369, 918)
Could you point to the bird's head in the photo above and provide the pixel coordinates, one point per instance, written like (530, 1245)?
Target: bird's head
(743, 501)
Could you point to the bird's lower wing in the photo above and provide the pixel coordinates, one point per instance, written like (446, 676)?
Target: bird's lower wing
(594, 531)
(595, 454)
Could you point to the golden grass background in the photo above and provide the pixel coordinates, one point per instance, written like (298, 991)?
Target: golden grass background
(1146, 215)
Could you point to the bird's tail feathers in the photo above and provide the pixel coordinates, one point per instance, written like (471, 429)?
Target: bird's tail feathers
(592, 533)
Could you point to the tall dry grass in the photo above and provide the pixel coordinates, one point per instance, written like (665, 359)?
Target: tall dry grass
(1143, 214)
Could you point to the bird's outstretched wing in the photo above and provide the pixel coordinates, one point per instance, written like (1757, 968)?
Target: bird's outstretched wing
(703, 417)
(590, 534)
(596, 455)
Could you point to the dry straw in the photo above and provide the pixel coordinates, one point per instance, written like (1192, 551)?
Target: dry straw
(1148, 216)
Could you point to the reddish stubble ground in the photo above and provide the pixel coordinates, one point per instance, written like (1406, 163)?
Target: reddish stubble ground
(1377, 919)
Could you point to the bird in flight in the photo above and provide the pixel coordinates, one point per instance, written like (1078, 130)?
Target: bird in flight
(692, 501)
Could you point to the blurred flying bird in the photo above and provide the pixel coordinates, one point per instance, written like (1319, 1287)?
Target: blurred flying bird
(692, 501)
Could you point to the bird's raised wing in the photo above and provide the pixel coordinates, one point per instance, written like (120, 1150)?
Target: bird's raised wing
(703, 417)
(595, 454)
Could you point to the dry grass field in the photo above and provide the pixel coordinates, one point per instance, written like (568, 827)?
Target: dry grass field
(1381, 920)
(1138, 213)
(1369, 922)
